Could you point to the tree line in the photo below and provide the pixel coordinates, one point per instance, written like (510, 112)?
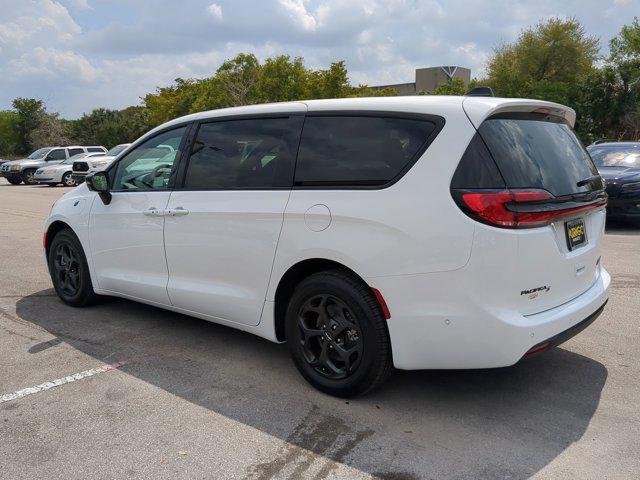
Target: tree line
(555, 60)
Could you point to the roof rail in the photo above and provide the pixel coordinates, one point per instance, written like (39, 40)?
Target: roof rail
(480, 92)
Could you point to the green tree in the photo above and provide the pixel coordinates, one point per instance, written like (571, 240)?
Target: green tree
(8, 132)
(29, 111)
(546, 61)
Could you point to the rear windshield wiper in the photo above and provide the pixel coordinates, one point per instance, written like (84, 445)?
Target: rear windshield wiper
(588, 180)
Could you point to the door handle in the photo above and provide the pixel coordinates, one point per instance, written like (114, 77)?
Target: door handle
(177, 212)
(154, 212)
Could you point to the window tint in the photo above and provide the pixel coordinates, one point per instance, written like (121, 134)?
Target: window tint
(149, 165)
(344, 150)
(95, 149)
(537, 151)
(476, 168)
(75, 151)
(252, 153)
(58, 154)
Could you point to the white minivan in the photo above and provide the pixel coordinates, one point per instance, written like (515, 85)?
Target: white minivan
(416, 232)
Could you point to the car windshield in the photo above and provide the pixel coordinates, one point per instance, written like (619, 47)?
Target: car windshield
(615, 155)
(116, 150)
(40, 153)
(70, 160)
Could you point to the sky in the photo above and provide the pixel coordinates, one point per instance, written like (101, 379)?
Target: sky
(78, 55)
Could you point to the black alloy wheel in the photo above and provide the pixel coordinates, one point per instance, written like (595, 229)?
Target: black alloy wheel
(330, 336)
(69, 270)
(66, 266)
(337, 334)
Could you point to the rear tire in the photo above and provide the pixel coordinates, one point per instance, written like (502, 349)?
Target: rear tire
(337, 334)
(28, 177)
(68, 180)
(14, 179)
(69, 270)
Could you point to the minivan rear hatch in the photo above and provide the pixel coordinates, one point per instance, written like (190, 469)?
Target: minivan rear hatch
(539, 187)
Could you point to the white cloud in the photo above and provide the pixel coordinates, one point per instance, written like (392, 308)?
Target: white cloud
(298, 13)
(215, 11)
(79, 4)
(53, 64)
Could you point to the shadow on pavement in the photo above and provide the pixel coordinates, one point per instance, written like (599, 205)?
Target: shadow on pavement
(501, 423)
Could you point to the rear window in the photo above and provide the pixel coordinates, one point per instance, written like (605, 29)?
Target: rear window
(616, 156)
(538, 151)
(358, 150)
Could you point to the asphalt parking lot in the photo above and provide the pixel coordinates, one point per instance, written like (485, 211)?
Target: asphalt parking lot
(184, 398)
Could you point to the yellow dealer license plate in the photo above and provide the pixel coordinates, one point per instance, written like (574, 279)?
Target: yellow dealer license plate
(576, 233)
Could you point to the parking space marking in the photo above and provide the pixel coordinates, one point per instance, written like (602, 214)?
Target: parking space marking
(60, 381)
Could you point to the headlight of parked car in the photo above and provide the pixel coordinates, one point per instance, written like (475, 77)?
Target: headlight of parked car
(15, 168)
(630, 187)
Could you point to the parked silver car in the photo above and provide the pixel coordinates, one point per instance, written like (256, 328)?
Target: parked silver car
(52, 175)
(23, 170)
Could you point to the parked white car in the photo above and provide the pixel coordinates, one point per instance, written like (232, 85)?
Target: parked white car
(19, 171)
(62, 172)
(408, 232)
(84, 167)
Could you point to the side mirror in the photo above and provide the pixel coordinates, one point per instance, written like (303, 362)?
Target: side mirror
(99, 182)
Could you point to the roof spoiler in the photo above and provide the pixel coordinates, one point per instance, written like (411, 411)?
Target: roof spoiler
(480, 92)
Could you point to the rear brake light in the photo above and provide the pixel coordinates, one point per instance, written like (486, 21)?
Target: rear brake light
(504, 208)
(44, 240)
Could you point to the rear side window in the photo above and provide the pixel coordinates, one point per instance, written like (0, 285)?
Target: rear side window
(358, 150)
(251, 153)
(538, 151)
(477, 168)
(95, 149)
(75, 151)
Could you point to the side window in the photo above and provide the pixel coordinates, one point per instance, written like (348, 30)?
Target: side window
(58, 154)
(75, 151)
(251, 153)
(149, 165)
(96, 149)
(362, 150)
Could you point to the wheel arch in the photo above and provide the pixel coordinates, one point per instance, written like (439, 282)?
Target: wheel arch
(293, 276)
(52, 230)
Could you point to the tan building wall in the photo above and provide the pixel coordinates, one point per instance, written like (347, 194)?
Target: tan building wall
(428, 79)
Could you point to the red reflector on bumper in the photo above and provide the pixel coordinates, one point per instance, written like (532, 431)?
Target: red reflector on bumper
(538, 348)
(383, 304)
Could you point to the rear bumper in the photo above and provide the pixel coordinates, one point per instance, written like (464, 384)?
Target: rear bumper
(625, 207)
(446, 330)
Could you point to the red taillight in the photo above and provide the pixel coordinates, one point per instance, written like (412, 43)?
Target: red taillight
(44, 240)
(494, 207)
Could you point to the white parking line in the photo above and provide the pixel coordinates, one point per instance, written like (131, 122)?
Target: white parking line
(60, 381)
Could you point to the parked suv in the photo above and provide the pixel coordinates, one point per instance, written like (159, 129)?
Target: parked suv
(83, 167)
(409, 232)
(19, 171)
(619, 165)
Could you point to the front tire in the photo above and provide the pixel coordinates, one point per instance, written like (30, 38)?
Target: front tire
(14, 179)
(28, 177)
(337, 334)
(69, 270)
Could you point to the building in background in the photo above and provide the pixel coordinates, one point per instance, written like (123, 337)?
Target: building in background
(427, 79)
